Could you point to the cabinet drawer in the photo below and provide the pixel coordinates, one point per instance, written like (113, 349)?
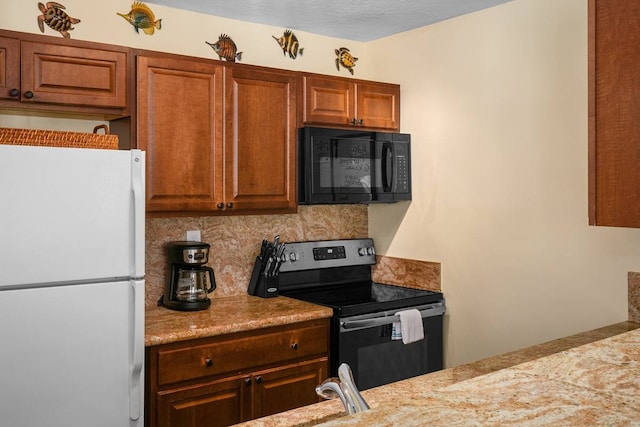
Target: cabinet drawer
(241, 353)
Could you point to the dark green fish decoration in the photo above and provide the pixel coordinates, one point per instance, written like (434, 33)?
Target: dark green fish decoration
(289, 44)
(56, 18)
(141, 17)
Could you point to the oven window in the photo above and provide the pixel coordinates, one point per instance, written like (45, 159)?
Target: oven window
(391, 361)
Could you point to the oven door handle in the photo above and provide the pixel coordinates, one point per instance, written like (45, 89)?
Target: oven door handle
(386, 318)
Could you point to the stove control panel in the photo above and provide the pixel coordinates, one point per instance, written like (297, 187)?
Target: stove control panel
(329, 252)
(313, 255)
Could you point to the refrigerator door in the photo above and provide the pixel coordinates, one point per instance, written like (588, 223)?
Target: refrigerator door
(70, 215)
(72, 355)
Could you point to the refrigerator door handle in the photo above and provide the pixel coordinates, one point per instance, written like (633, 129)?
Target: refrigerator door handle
(135, 385)
(137, 192)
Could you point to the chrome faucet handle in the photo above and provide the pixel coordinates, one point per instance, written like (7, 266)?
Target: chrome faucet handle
(349, 388)
(345, 388)
(330, 389)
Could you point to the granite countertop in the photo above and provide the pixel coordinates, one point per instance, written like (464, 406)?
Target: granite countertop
(592, 378)
(227, 315)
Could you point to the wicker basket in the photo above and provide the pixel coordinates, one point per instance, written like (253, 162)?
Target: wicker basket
(54, 138)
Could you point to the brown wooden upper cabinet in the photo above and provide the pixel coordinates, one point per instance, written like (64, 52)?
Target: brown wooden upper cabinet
(193, 167)
(260, 140)
(614, 113)
(341, 102)
(40, 72)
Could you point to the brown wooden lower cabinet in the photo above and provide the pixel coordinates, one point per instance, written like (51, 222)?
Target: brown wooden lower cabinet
(229, 379)
(219, 403)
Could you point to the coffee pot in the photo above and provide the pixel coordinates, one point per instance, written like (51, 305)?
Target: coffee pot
(190, 282)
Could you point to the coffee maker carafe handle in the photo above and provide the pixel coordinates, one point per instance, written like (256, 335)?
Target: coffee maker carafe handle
(212, 279)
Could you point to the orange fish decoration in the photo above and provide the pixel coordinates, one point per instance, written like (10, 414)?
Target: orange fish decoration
(226, 48)
(141, 17)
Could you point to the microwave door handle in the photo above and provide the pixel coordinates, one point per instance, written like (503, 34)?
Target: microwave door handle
(387, 167)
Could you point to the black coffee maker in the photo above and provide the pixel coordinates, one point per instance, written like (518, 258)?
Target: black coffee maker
(189, 281)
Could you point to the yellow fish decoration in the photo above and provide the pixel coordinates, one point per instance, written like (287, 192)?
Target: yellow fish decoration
(141, 17)
(289, 44)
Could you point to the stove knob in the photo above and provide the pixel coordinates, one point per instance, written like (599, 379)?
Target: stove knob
(293, 257)
(370, 250)
(362, 251)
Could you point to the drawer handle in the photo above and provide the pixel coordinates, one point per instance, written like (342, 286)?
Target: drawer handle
(294, 346)
(208, 362)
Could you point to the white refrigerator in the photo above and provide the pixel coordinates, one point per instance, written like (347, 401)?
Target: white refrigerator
(72, 242)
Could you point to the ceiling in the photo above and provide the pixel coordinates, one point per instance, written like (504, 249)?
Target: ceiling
(361, 20)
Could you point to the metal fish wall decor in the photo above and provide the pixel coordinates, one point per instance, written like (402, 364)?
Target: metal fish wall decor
(289, 44)
(54, 15)
(346, 59)
(226, 48)
(142, 18)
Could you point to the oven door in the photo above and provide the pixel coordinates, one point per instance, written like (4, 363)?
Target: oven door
(365, 344)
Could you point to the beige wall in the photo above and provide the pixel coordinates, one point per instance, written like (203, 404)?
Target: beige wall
(182, 32)
(496, 102)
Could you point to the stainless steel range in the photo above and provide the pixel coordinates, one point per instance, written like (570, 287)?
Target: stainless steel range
(337, 274)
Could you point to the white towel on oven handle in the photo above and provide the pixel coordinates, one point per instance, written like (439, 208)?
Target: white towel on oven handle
(409, 328)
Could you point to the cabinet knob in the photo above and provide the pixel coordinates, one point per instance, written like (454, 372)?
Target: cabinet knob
(208, 362)
(220, 205)
(14, 92)
(359, 122)
(294, 346)
(247, 381)
(28, 94)
(258, 379)
(230, 205)
(353, 121)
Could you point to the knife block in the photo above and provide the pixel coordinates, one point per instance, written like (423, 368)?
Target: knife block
(260, 285)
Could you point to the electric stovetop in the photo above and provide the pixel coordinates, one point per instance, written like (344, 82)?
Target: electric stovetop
(365, 297)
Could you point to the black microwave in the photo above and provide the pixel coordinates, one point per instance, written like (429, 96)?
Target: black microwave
(353, 166)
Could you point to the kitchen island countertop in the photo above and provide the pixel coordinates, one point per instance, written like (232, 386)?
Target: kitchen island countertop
(591, 378)
(227, 315)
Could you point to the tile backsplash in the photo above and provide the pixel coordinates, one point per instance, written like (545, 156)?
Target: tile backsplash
(634, 296)
(235, 240)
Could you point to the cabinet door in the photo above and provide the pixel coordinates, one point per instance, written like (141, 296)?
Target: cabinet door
(614, 109)
(180, 128)
(71, 75)
(9, 68)
(217, 404)
(328, 101)
(378, 106)
(280, 389)
(260, 140)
